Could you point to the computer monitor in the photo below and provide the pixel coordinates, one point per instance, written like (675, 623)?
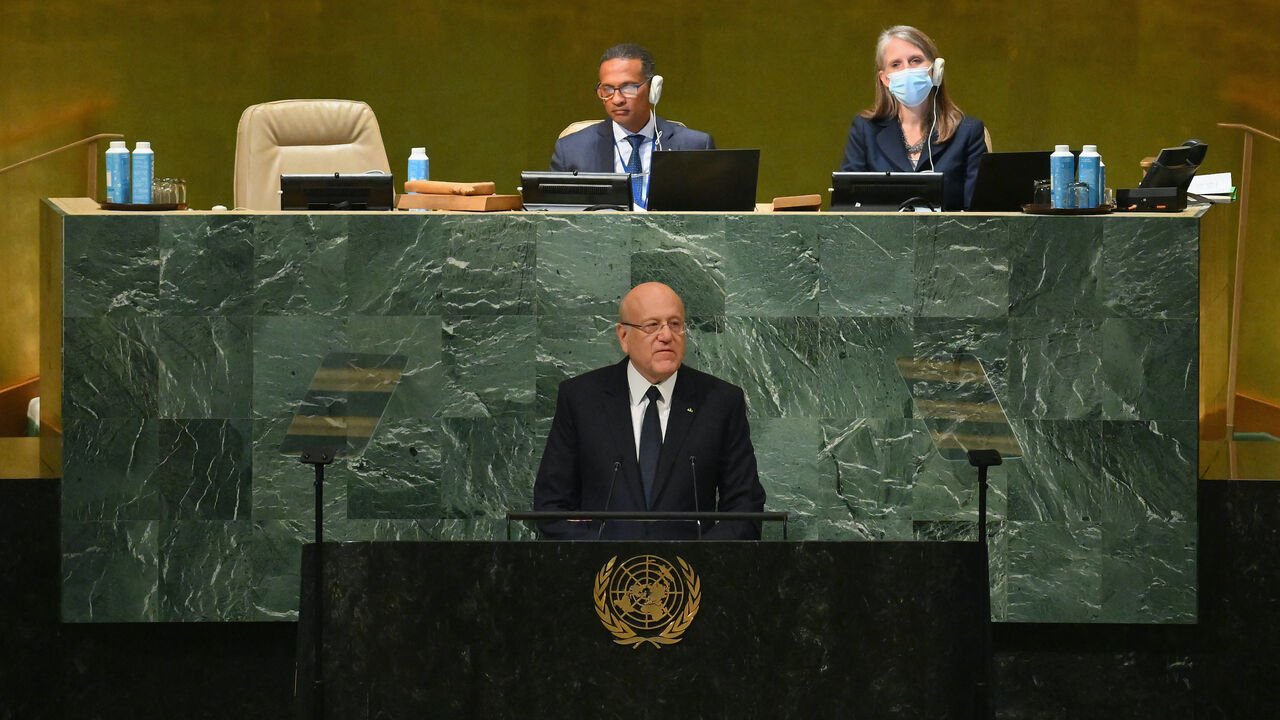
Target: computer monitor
(568, 191)
(704, 180)
(337, 191)
(886, 191)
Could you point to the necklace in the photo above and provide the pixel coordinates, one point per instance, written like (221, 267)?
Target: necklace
(912, 148)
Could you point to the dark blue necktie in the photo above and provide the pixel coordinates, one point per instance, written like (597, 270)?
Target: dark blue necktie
(650, 443)
(633, 167)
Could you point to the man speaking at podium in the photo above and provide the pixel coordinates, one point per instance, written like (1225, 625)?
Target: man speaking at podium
(626, 141)
(649, 434)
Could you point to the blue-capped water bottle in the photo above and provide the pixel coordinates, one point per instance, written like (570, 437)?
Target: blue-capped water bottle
(1102, 183)
(1087, 172)
(1062, 172)
(419, 164)
(143, 168)
(118, 172)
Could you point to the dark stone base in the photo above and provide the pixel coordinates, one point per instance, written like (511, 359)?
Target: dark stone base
(1222, 668)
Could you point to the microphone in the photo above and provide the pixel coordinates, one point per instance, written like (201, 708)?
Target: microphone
(612, 481)
(693, 471)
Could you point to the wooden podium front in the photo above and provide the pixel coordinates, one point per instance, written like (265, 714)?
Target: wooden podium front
(648, 630)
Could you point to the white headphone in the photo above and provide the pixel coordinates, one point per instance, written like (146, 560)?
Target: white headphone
(655, 89)
(936, 72)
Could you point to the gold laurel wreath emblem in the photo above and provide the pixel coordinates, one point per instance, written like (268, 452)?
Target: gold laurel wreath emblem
(623, 633)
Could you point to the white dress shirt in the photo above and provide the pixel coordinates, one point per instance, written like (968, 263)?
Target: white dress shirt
(622, 153)
(637, 387)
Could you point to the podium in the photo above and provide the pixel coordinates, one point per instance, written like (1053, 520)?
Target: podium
(549, 629)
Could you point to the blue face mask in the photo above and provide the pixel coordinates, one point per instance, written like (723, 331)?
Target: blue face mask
(911, 86)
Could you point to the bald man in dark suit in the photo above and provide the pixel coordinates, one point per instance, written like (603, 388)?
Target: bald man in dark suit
(601, 456)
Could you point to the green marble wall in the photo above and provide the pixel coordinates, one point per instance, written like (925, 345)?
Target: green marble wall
(189, 337)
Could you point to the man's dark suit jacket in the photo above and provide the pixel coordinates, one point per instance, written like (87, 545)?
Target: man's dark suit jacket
(876, 146)
(591, 149)
(592, 434)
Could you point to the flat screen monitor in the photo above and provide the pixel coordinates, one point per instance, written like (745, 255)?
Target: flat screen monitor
(1175, 166)
(886, 191)
(569, 191)
(704, 180)
(337, 191)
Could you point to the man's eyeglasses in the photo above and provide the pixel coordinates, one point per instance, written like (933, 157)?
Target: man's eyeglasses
(675, 326)
(630, 90)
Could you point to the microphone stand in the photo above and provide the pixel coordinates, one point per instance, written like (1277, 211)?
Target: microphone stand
(318, 458)
(984, 459)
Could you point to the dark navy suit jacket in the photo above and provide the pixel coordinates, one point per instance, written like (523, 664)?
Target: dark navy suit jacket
(591, 149)
(876, 146)
(592, 435)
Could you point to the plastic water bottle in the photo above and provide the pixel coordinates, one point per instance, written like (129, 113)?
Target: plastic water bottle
(118, 172)
(419, 164)
(143, 167)
(1102, 181)
(1062, 170)
(1088, 173)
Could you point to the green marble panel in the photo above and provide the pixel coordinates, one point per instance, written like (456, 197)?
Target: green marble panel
(1054, 571)
(774, 359)
(400, 473)
(1150, 268)
(110, 571)
(206, 469)
(1142, 463)
(569, 346)
(1148, 571)
(857, 370)
(491, 263)
(419, 394)
(770, 265)
(490, 465)
(286, 353)
(300, 263)
(206, 265)
(584, 267)
(109, 367)
(984, 338)
(190, 338)
(111, 266)
(1150, 369)
(109, 471)
(1055, 369)
(396, 267)
(962, 266)
(683, 251)
(1059, 477)
(489, 365)
(284, 487)
(257, 566)
(204, 366)
(792, 482)
(867, 265)
(1054, 268)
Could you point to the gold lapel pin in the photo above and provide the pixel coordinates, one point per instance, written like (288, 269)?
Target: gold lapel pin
(688, 410)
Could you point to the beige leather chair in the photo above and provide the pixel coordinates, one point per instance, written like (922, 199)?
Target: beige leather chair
(584, 124)
(302, 136)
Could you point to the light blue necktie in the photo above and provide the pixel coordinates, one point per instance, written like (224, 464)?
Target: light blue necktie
(633, 167)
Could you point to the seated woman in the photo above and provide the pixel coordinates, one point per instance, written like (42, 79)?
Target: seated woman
(914, 126)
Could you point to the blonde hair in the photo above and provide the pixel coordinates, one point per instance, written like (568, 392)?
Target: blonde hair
(948, 113)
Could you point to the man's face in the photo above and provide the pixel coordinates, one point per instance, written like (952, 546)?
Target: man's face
(658, 355)
(630, 113)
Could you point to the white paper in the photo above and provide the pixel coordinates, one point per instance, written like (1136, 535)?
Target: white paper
(1211, 184)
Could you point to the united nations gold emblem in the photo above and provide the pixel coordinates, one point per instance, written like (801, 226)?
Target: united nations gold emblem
(647, 600)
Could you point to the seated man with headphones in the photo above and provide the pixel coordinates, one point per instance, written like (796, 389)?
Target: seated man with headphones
(626, 141)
